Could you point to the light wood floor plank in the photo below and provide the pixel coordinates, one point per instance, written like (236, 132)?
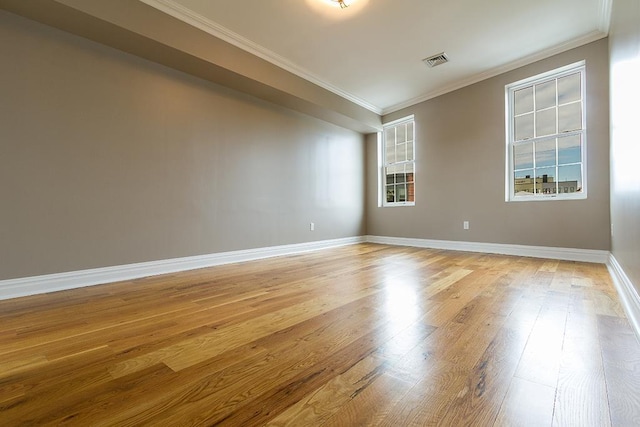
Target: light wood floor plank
(527, 404)
(621, 358)
(361, 335)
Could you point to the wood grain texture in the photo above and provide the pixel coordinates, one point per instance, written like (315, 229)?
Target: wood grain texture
(621, 358)
(364, 335)
(527, 404)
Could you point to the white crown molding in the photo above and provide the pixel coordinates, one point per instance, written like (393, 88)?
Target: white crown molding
(459, 84)
(605, 15)
(190, 17)
(196, 20)
(626, 291)
(567, 254)
(14, 288)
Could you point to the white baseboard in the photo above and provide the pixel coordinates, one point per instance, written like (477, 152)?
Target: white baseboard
(568, 254)
(14, 288)
(628, 295)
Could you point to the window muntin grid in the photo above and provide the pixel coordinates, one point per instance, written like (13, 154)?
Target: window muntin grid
(398, 166)
(546, 136)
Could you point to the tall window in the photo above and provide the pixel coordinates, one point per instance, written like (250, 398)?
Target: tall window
(398, 165)
(546, 136)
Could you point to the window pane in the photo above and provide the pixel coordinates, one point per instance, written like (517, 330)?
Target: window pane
(409, 167)
(390, 136)
(569, 89)
(546, 95)
(524, 127)
(546, 153)
(523, 182)
(523, 156)
(570, 177)
(401, 133)
(546, 122)
(524, 174)
(570, 117)
(545, 180)
(389, 153)
(410, 151)
(401, 177)
(410, 131)
(401, 152)
(390, 193)
(570, 149)
(401, 193)
(390, 179)
(523, 101)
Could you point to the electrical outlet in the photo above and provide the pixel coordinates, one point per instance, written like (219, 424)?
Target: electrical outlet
(465, 225)
(312, 226)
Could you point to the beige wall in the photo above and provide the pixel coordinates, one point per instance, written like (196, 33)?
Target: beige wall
(144, 31)
(625, 142)
(460, 139)
(109, 159)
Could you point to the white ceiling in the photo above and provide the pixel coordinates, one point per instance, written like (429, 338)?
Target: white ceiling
(371, 52)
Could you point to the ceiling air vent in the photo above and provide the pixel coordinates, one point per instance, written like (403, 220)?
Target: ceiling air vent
(434, 60)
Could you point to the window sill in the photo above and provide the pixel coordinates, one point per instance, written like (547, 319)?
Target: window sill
(398, 205)
(546, 198)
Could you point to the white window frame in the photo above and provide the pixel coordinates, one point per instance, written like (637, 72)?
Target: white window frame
(382, 179)
(510, 89)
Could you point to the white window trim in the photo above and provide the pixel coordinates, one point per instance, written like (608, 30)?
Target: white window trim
(382, 199)
(509, 89)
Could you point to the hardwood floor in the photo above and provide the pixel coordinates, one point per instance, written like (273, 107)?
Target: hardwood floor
(363, 335)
